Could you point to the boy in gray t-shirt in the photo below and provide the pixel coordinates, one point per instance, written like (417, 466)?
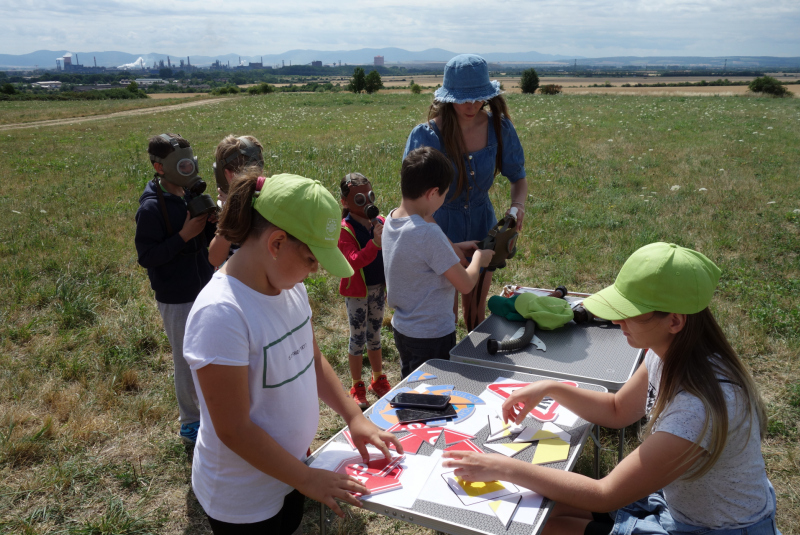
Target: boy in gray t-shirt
(422, 267)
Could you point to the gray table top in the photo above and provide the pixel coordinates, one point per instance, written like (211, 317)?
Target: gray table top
(458, 521)
(597, 353)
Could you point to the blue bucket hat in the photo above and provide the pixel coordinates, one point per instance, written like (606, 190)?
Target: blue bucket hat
(466, 79)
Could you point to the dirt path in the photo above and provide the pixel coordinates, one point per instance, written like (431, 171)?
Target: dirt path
(126, 113)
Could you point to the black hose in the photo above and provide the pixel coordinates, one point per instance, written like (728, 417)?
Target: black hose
(493, 346)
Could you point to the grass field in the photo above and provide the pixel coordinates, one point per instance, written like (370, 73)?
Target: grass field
(88, 419)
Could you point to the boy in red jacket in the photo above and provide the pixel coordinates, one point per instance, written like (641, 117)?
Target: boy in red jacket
(365, 291)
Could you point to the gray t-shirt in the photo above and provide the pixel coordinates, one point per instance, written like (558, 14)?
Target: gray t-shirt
(735, 492)
(415, 256)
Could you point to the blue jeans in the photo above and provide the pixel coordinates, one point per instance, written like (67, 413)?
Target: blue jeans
(651, 516)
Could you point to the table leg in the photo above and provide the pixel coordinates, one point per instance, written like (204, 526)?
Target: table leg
(597, 452)
(322, 525)
(621, 451)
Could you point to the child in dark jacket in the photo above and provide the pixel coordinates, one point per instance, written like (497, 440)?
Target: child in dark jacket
(365, 291)
(173, 247)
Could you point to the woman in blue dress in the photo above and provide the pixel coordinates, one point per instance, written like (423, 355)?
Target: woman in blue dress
(481, 144)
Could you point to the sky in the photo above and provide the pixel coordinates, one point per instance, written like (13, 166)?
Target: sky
(589, 28)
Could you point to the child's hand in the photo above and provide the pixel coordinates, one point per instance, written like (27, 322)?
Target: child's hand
(324, 485)
(193, 226)
(377, 234)
(484, 257)
(467, 246)
(472, 466)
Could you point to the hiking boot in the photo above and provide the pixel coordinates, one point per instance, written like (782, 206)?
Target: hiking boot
(189, 432)
(359, 395)
(380, 386)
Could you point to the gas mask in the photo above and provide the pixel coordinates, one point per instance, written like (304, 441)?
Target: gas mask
(180, 168)
(502, 239)
(249, 150)
(361, 199)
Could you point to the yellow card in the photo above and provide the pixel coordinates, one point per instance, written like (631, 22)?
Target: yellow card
(479, 488)
(551, 450)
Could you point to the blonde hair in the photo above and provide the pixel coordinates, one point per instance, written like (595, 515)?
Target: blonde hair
(453, 139)
(696, 359)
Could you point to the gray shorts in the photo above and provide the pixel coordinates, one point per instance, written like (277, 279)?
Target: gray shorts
(366, 317)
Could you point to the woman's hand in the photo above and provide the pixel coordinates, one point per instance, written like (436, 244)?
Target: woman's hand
(473, 466)
(529, 397)
(520, 214)
(222, 196)
(325, 486)
(364, 432)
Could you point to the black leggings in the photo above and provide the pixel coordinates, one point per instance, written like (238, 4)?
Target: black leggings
(284, 523)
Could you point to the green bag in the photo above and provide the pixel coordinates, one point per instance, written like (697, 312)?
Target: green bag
(504, 307)
(548, 312)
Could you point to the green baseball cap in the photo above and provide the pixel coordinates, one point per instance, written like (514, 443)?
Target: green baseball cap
(306, 210)
(660, 277)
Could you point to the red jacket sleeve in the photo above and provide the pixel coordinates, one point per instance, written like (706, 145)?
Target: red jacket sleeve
(349, 247)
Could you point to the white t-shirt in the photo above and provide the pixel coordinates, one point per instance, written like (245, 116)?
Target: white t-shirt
(233, 325)
(735, 492)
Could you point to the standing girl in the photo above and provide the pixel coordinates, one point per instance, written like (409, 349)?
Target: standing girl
(700, 469)
(256, 363)
(480, 144)
(364, 292)
(233, 154)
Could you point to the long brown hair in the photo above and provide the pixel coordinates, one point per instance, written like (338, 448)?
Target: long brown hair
(453, 140)
(696, 359)
(239, 219)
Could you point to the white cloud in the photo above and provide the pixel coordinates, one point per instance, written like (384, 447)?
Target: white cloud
(571, 27)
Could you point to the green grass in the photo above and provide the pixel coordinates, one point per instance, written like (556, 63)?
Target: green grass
(88, 421)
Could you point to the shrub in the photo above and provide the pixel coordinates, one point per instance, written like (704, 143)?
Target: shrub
(133, 87)
(416, 89)
(529, 82)
(8, 89)
(550, 89)
(770, 86)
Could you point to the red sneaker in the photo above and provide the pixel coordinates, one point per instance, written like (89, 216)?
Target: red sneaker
(380, 386)
(359, 394)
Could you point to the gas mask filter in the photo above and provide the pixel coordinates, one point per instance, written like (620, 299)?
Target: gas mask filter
(180, 168)
(249, 150)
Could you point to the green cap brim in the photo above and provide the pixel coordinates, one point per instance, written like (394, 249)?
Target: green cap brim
(332, 259)
(609, 304)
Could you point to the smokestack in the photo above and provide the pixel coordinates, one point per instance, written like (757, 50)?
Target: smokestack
(189, 63)
(168, 63)
(95, 61)
(262, 60)
(77, 61)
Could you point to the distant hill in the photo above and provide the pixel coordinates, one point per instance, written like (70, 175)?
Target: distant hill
(47, 58)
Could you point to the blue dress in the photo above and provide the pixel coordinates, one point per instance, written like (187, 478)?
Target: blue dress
(470, 216)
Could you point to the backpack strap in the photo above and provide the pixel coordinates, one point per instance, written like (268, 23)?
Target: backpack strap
(163, 204)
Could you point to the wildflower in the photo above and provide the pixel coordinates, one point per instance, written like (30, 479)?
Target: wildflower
(702, 189)
(675, 187)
